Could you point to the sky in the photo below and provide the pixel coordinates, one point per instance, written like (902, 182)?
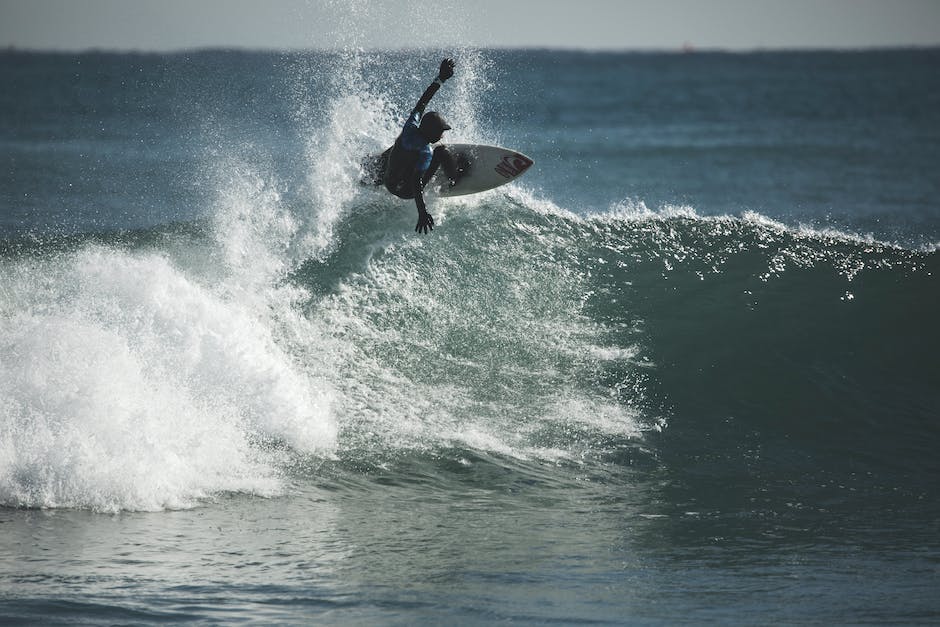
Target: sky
(165, 25)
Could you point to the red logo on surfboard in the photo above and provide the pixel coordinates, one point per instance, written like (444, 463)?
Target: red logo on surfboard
(513, 165)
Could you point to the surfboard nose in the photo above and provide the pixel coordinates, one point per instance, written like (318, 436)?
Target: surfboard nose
(512, 165)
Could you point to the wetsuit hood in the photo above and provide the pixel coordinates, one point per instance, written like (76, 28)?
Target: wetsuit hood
(433, 126)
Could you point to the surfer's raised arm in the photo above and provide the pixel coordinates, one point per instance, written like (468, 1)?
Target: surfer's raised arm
(433, 126)
(409, 165)
(446, 71)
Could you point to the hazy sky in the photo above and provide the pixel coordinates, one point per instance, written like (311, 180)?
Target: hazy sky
(593, 24)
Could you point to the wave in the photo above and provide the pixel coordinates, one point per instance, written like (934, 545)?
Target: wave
(302, 321)
(174, 364)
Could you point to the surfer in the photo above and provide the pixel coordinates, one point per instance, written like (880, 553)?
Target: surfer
(411, 162)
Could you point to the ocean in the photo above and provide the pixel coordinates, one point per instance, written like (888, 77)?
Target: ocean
(684, 370)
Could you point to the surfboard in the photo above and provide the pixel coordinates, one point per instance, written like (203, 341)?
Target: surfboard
(483, 167)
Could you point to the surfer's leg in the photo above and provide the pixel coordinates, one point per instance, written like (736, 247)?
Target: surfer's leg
(395, 174)
(442, 158)
(402, 188)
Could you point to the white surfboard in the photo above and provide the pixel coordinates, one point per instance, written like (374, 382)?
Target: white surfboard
(485, 167)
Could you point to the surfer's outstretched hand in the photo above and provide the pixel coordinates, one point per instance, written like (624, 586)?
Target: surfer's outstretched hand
(447, 69)
(425, 222)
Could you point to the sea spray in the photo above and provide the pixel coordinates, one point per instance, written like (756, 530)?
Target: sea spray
(127, 385)
(370, 97)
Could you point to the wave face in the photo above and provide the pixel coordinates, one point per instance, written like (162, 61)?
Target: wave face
(664, 339)
(790, 361)
(258, 319)
(525, 314)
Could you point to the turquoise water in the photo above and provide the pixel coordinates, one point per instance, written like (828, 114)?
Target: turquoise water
(683, 370)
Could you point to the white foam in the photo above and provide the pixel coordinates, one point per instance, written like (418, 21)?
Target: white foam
(124, 384)
(634, 210)
(611, 353)
(358, 124)
(599, 414)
